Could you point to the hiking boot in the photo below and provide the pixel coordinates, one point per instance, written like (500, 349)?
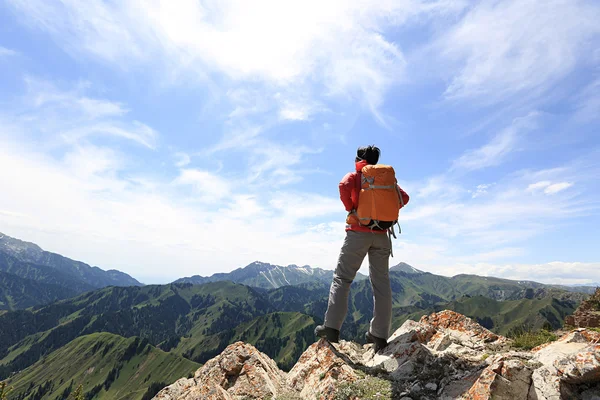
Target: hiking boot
(332, 335)
(378, 343)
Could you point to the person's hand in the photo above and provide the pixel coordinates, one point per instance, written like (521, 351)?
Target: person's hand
(352, 218)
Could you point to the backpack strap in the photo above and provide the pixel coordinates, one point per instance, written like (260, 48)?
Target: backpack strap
(389, 234)
(358, 187)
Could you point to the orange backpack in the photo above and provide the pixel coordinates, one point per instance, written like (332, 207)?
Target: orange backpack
(379, 199)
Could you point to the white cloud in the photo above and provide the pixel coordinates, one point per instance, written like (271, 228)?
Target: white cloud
(494, 152)
(135, 131)
(69, 116)
(538, 185)
(557, 187)
(43, 94)
(481, 190)
(337, 45)
(209, 186)
(4, 52)
(549, 187)
(156, 231)
(556, 272)
(182, 159)
(588, 102)
(471, 228)
(507, 47)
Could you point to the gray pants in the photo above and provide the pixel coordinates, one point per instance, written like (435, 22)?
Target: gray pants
(356, 246)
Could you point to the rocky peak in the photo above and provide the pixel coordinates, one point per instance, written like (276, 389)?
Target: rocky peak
(463, 328)
(587, 314)
(443, 356)
(239, 371)
(406, 268)
(19, 248)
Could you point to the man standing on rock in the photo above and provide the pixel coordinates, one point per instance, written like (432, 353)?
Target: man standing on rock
(373, 199)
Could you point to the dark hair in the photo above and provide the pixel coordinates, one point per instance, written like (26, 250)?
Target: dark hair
(369, 153)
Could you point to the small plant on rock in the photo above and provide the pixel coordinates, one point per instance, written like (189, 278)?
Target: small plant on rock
(528, 339)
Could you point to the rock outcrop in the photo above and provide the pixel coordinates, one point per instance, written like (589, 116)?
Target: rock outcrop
(443, 356)
(319, 370)
(587, 314)
(239, 371)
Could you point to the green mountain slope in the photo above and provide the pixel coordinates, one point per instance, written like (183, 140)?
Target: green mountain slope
(283, 336)
(503, 316)
(107, 365)
(161, 314)
(92, 276)
(42, 274)
(17, 293)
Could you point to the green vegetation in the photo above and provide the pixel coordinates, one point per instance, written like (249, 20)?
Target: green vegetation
(18, 293)
(504, 316)
(77, 394)
(283, 336)
(107, 366)
(4, 390)
(368, 387)
(497, 304)
(528, 339)
(195, 321)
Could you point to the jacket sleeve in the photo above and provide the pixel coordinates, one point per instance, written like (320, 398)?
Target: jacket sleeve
(346, 187)
(405, 197)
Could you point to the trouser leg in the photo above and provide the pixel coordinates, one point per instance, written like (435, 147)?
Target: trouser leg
(355, 248)
(379, 263)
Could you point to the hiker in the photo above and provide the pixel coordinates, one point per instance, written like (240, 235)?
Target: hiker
(369, 229)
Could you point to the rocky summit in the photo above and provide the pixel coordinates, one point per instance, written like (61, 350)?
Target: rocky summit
(443, 356)
(587, 314)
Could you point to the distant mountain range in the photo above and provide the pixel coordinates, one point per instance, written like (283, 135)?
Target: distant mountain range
(32, 276)
(105, 324)
(268, 276)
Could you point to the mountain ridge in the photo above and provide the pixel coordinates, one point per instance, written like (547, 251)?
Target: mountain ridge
(267, 276)
(33, 256)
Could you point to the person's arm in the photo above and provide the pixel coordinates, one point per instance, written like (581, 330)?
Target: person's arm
(404, 195)
(346, 186)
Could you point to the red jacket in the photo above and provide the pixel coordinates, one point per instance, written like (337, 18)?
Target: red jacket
(349, 190)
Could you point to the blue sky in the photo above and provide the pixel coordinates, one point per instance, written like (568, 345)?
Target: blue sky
(177, 138)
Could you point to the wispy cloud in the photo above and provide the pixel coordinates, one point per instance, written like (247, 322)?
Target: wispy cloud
(70, 115)
(186, 214)
(588, 103)
(548, 187)
(555, 272)
(119, 220)
(4, 52)
(207, 186)
(481, 190)
(503, 48)
(282, 80)
(495, 151)
(182, 159)
(336, 46)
